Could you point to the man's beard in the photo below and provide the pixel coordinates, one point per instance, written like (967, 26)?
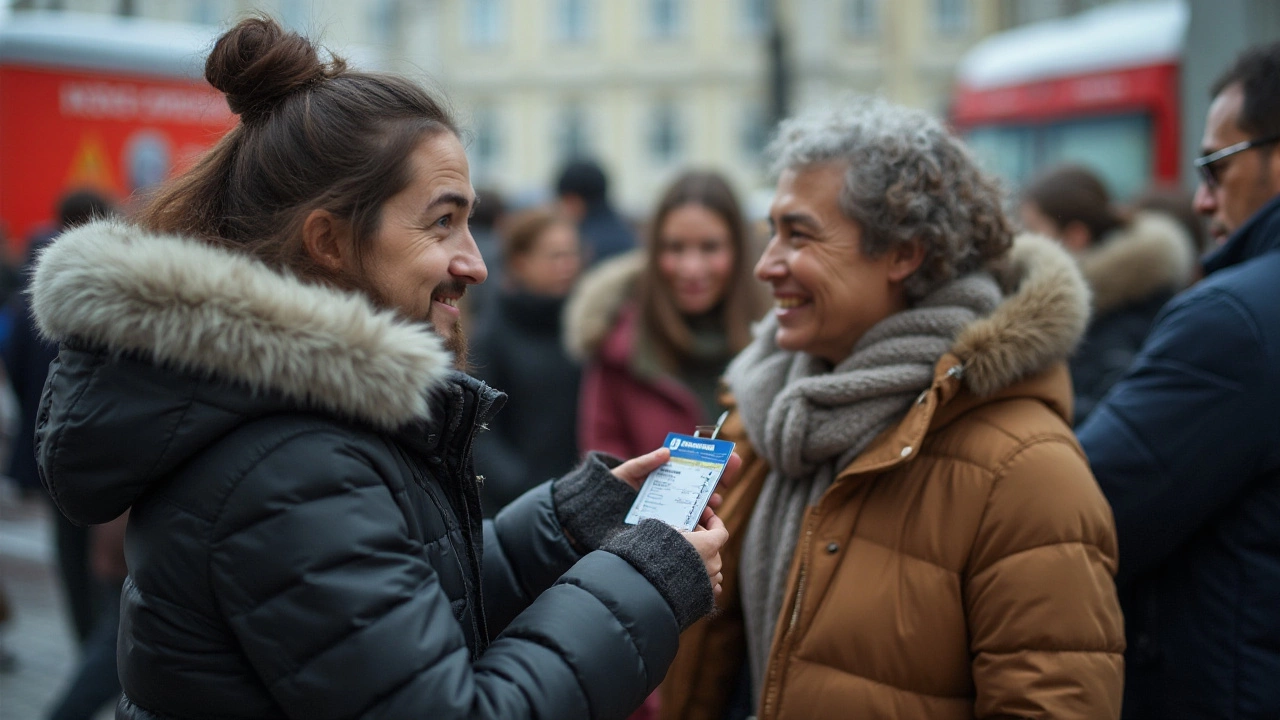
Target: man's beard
(456, 343)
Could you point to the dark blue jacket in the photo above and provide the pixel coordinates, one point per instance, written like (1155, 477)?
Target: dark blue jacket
(1187, 450)
(605, 233)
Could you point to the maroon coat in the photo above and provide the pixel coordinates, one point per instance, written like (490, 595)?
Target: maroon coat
(623, 413)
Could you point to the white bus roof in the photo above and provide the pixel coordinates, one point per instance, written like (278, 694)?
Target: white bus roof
(106, 42)
(1109, 37)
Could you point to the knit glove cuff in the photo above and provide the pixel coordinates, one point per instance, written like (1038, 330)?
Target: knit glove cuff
(671, 564)
(590, 502)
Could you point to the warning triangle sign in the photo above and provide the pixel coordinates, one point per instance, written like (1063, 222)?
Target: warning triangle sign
(90, 166)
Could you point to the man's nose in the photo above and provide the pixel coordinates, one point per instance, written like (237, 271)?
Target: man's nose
(468, 265)
(1204, 201)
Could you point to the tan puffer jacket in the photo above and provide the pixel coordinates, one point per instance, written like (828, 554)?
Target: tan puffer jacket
(961, 566)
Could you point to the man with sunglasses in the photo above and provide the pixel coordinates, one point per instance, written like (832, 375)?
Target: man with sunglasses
(1187, 446)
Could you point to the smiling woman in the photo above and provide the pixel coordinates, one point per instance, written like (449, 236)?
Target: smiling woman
(259, 373)
(656, 328)
(912, 483)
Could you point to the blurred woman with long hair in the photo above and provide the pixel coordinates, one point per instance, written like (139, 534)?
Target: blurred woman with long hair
(657, 327)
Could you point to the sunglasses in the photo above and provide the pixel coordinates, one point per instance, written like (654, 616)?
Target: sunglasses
(1205, 165)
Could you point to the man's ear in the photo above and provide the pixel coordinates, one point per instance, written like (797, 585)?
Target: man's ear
(325, 238)
(905, 259)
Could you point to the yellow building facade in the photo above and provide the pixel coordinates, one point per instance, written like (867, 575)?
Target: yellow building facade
(648, 87)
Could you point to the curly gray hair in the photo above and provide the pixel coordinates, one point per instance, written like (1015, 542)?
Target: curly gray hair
(908, 179)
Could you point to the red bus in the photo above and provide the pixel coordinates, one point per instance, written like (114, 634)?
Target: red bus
(1099, 88)
(96, 101)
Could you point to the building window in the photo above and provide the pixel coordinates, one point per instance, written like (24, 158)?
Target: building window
(753, 132)
(572, 21)
(665, 139)
(755, 16)
(862, 18)
(485, 24)
(295, 15)
(205, 12)
(572, 135)
(383, 19)
(487, 147)
(666, 18)
(951, 16)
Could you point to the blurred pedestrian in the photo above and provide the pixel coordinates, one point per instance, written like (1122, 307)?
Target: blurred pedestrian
(1133, 264)
(260, 372)
(485, 224)
(95, 683)
(518, 350)
(27, 356)
(1187, 447)
(657, 327)
(915, 532)
(1177, 204)
(582, 192)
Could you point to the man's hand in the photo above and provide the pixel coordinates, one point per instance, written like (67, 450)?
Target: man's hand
(634, 471)
(707, 539)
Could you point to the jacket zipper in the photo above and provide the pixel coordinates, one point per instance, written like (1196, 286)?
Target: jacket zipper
(773, 681)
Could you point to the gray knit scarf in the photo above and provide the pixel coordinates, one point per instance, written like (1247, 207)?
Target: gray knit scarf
(810, 420)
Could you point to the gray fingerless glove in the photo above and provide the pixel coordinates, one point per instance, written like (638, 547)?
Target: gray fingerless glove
(590, 502)
(668, 561)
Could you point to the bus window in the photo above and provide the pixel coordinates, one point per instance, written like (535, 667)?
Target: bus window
(1008, 151)
(1118, 148)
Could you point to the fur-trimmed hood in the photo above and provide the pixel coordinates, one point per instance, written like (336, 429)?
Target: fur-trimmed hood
(594, 307)
(183, 303)
(1153, 254)
(1040, 322)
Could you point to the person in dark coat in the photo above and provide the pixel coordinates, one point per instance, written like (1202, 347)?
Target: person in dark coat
(517, 349)
(1187, 446)
(91, 600)
(259, 372)
(582, 190)
(1134, 263)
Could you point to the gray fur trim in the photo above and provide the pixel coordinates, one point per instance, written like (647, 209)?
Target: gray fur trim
(590, 502)
(1037, 325)
(201, 308)
(592, 309)
(671, 564)
(1152, 254)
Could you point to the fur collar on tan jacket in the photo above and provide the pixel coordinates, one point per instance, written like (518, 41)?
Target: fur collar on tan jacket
(188, 304)
(1152, 254)
(961, 566)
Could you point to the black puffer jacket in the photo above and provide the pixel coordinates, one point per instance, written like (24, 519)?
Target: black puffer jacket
(305, 538)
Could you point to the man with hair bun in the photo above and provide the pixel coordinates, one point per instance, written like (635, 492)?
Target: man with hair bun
(1187, 445)
(259, 371)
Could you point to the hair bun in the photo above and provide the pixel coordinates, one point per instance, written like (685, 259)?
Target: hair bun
(257, 64)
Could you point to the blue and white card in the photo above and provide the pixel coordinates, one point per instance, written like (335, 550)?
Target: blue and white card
(677, 492)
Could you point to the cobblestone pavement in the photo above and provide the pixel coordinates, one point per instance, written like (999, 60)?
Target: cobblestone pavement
(38, 635)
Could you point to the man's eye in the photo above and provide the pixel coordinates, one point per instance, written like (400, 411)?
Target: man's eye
(445, 221)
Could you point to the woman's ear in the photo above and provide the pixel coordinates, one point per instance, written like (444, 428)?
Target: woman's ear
(905, 259)
(326, 239)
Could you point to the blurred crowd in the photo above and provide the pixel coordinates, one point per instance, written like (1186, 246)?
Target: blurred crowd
(984, 474)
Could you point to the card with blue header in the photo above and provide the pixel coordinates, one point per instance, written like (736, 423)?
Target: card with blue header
(677, 492)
